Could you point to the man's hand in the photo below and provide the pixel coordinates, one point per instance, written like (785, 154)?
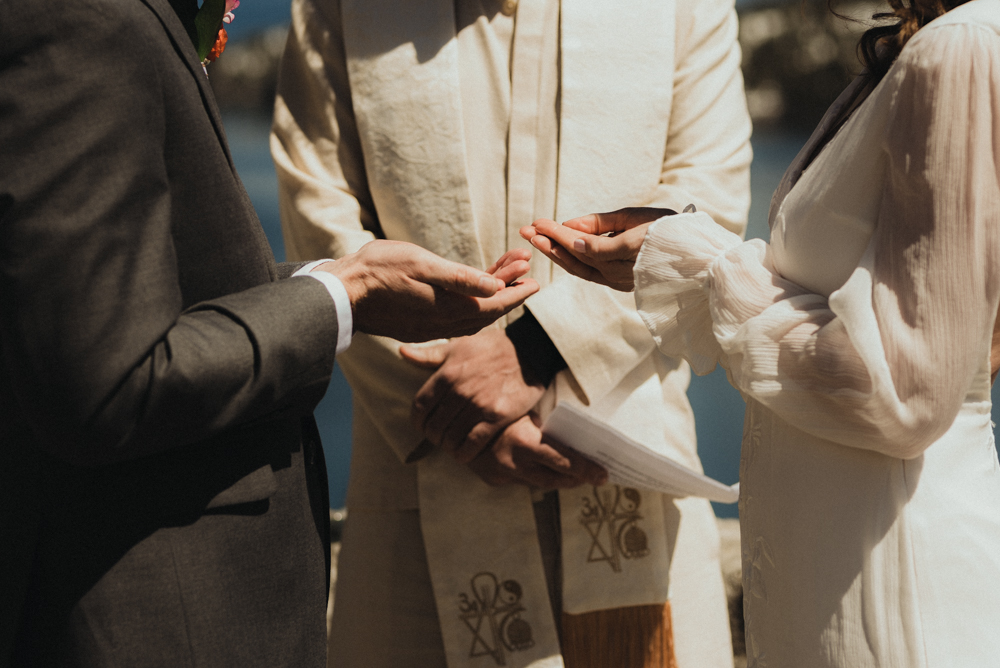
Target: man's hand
(403, 291)
(520, 456)
(577, 247)
(478, 390)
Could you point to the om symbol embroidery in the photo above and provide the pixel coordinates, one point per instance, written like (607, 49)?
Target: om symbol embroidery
(611, 517)
(494, 618)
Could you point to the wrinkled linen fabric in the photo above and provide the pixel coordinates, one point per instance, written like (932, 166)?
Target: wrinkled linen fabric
(451, 124)
(860, 337)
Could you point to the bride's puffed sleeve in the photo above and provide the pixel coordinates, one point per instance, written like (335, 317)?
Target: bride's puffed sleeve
(671, 291)
(886, 362)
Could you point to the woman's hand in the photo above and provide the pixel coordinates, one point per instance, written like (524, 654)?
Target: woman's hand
(580, 247)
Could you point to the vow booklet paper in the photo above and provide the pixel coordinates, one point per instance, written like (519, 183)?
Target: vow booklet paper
(628, 462)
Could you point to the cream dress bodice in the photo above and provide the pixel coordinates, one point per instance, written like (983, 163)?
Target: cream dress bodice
(860, 337)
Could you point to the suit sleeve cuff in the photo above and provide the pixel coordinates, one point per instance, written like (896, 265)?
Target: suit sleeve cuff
(338, 293)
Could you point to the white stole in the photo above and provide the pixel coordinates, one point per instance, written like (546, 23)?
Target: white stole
(616, 85)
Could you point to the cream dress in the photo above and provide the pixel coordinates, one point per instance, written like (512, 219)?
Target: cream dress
(860, 337)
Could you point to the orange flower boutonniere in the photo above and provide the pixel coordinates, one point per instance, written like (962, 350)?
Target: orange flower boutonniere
(210, 23)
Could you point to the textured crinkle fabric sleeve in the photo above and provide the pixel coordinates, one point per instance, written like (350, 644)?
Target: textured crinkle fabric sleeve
(671, 282)
(886, 362)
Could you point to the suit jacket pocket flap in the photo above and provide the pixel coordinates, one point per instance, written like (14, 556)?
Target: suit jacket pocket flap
(257, 486)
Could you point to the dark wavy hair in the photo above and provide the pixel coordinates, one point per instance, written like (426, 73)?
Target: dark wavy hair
(879, 46)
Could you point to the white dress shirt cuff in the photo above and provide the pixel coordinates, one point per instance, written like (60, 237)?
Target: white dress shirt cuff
(338, 293)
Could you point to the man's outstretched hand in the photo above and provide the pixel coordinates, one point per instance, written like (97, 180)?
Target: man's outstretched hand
(579, 247)
(401, 290)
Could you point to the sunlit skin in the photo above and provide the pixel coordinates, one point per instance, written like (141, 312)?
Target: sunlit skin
(476, 405)
(404, 291)
(600, 247)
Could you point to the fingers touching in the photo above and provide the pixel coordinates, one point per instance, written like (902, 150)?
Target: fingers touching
(600, 247)
(406, 292)
(465, 280)
(457, 278)
(511, 266)
(560, 255)
(618, 221)
(605, 260)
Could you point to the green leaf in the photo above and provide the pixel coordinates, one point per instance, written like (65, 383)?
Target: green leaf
(208, 21)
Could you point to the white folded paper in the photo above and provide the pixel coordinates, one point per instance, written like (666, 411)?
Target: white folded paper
(629, 462)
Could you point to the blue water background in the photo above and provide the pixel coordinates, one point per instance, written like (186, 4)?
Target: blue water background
(248, 142)
(253, 16)
(717, 406)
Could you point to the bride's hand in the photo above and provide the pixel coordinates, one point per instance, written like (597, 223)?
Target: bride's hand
(578, 247)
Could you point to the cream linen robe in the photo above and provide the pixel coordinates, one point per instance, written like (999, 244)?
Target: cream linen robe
(870, 485)
(373, 138)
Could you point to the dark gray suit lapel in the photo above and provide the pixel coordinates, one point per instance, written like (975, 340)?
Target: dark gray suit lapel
(185, 49)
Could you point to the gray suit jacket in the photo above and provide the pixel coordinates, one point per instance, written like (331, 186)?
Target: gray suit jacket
(163, 492)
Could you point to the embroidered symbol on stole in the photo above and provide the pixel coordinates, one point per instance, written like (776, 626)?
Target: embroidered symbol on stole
(611, 517)
(494, 618)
